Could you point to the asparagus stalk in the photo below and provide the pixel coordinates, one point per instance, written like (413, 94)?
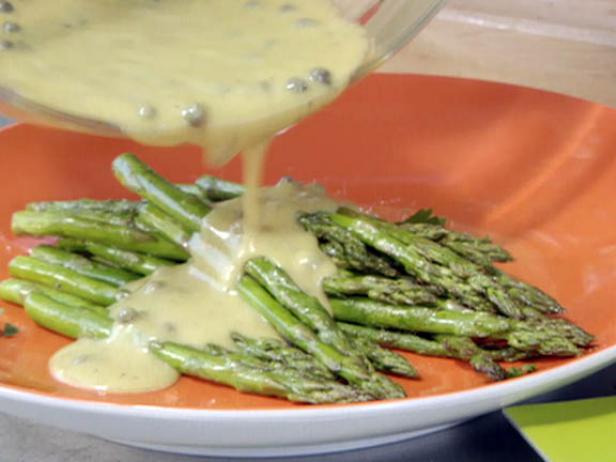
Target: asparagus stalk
(217, 189)
(290, 328)
(194, 190)
(465, 348)
(395, 339)
(64, 279)
(306, 308)
(528, 294)
(483, 361)
(419, 319)
(347, 250)
(384, 360)
(226, 369)
(82, 265)
(72, 321)
(480, 250)
(294, 375)
(131, 261)
(16, 291)
(401, 291)
(85, 206)
(541, 338)
(59, 224)
(142, 180)
(151, 217)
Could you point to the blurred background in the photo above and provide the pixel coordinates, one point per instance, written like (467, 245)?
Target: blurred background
(568, 46)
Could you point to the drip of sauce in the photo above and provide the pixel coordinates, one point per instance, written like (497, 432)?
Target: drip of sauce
(223, 74)
(226, 242)
(120, 364)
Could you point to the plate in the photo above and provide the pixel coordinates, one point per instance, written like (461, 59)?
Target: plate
(535, 170)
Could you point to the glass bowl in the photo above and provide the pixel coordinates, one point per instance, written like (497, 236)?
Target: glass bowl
(390, 23)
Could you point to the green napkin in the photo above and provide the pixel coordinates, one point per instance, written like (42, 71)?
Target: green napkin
(570, 431)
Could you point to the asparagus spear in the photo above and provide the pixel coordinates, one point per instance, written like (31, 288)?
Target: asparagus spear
(534, 338)
(395, 339)
(194, 190)
(64, 279)
(228, 370)
(306, 308)
(82, 265)
(402, 291)
(290, 328)
(17, 290)
(72, 321)
(152, 217)
(345, 248)
(419, 319)
(58, 224)
(434, 346)
(384, 360)
(131, 261)
(465, 348)
(528, 294)
(142, 180)
(293, 377)
(480, 250)
(483, 361)
(217, 189)
(84, 206)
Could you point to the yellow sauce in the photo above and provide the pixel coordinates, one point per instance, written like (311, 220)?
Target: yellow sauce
(121, 364)
(224, 74)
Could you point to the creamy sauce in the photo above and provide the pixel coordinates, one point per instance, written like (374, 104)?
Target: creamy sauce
(226, 243)
(179, 304)
(224, 74)
(119, 364)
(195, 303)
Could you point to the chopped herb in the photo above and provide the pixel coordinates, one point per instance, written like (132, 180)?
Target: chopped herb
(425, 216)
(9, 330)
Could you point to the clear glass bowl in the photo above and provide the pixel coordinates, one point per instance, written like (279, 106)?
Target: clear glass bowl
(391, 24)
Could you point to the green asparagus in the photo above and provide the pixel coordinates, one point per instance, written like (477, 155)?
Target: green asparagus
(154, 218)
(138, 263)
(58, 224)
(114, 276)
(17, 290)
(58, 277)
(217, 189)
(402, 291)
(138, 177)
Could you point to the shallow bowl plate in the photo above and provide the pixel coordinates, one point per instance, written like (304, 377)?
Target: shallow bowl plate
(535, 170)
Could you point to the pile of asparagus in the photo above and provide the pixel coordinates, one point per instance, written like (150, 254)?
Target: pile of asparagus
(416, 286)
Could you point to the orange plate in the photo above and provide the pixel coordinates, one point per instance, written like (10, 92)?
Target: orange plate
(536, 170)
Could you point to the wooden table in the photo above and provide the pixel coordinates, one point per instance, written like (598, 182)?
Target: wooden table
(568, 46)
